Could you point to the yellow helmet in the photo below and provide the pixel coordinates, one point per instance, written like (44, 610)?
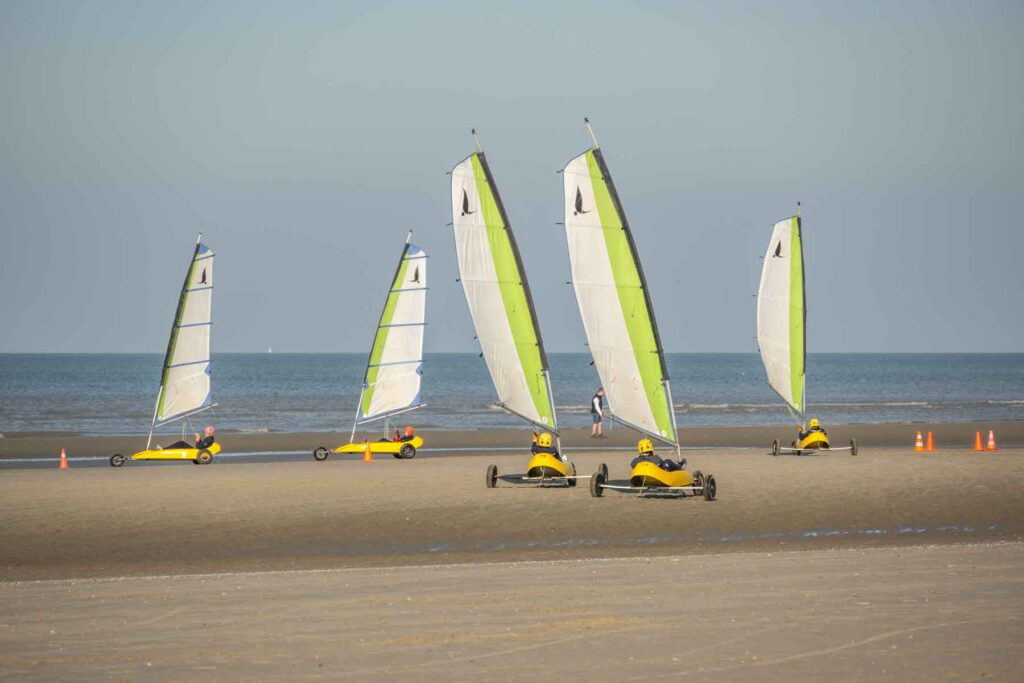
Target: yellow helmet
(544, 440)
(644, 446)
(814, 423)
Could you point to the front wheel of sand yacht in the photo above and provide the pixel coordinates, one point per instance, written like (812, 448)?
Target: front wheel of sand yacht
(116, 460)
(492, 476)
(406, 452)
(320, 454)
(853, 446)
(204, 457)
(710, 487)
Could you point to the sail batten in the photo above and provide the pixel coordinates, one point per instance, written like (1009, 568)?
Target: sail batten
(391, 383)
(498, 294)
(614, 300)
(185, 378)
(782, 313)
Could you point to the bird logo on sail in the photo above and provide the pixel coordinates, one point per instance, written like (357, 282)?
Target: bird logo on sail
(416, 275)
(202, 278)
(778, 250)
(465, 203)
(579, 203)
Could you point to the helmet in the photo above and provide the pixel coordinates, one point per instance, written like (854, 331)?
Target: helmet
(644, 446)
(544, 440)
(815, 423)
(409, 430)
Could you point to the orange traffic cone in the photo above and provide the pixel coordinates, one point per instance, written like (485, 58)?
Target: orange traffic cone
(367, 454)
(930, 444)
(63, 460)
(991, 441)
(919, 443)
(977, 442)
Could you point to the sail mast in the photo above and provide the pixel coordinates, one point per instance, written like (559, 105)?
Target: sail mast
(593, 138)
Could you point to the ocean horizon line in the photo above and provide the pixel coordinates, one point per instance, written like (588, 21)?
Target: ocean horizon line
(476, 353)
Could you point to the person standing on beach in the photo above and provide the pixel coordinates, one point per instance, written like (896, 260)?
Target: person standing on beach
(597, 414)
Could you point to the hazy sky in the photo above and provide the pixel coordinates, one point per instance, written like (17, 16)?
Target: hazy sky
(305, 139)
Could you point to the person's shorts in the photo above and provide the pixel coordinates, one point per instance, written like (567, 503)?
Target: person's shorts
(596, 417)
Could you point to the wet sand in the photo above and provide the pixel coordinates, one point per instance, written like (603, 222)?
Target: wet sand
(951, 612)
(959, 435)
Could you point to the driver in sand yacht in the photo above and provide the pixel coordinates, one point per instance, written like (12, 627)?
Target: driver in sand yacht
(645, 447)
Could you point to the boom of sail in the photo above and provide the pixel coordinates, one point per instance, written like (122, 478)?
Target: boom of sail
(392, 381)
(498, 294)
(782, 315)
(614, 301)
(185, 380)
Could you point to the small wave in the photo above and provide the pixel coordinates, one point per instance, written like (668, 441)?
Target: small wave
(1007, 402)
(877, 404)
(778, 406)
(728, 406)
(254, 430)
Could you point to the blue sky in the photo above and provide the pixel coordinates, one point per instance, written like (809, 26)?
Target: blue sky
(305, 139)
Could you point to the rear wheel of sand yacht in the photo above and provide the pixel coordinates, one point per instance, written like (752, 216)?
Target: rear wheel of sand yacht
(853, 446)
(597, 484)
(204, 457)
(492, 476)
(603, 469)
(116, 460)
(571, 480)
(710, 487)
(320, 454)
(775, 447)
(698, 479)
(406, 452)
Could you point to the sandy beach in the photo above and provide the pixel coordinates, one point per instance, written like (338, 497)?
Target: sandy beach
(890, 564)
(916, 613)
(305, 514)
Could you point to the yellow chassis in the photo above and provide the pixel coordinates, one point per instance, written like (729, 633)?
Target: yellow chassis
(191, 454)
(812, 443)
(399, 449)
(543, 469)
(649, 474)
(649, 479)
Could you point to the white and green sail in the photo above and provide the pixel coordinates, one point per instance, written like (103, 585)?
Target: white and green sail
(498, 294)
(782, 315)
(614, 301)
(185, 380)
(391, 384)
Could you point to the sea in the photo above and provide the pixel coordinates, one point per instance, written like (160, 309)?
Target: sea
(283, 392)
